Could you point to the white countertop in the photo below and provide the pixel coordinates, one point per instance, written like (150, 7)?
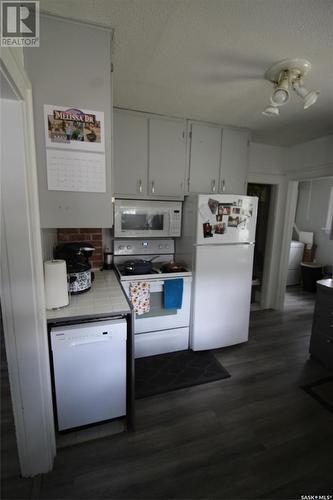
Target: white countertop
(327, 283)
(105, 298)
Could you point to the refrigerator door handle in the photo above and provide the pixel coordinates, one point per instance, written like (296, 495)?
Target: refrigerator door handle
(224, 244)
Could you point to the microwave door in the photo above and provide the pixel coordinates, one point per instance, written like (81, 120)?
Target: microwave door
(139, 223)
(156, 222)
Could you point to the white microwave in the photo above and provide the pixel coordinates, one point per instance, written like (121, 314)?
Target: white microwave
(147, 218)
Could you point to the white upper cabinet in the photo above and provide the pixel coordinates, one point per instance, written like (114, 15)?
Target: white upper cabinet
(167, 156)
(130, 141)
(218, 159)
(234, 161)
(150, 156)
(205, 157)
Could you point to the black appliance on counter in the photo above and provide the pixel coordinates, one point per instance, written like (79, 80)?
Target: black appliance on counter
(76, 255)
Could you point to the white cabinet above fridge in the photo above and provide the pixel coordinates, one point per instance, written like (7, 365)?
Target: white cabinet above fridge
(218, 159)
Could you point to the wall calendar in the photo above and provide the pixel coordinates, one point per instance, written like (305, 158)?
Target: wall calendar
(75, 149)
(75, 171)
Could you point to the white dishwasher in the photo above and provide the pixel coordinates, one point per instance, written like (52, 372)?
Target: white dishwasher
(89, 363)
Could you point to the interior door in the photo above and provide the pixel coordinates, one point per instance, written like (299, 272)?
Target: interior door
(222, 295)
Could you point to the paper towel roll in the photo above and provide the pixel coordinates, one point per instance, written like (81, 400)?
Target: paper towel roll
(56, 289)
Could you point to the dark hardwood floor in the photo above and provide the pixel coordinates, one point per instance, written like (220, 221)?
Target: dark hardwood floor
(256, 435)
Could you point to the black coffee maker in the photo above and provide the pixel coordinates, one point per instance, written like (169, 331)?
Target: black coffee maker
(76, 255)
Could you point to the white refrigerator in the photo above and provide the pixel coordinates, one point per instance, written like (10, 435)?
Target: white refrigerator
(217, 243)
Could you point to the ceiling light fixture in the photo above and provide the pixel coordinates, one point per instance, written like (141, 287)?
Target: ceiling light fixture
(285, 74)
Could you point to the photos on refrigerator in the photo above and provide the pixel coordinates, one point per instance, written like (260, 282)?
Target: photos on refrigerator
(233, 221)
(213, 205)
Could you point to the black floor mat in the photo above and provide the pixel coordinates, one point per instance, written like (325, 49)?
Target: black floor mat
(322, 391)
(175, 370)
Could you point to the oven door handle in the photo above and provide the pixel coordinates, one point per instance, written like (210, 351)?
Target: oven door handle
(156, 286)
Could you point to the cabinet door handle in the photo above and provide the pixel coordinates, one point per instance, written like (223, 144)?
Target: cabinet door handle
(222, 187)
(213, 185)
(140, 186)
(153, 187)
(181, 186)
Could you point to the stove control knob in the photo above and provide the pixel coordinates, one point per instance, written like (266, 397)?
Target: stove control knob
(129, 247)
(120, 247)
(160, 246)
(166, 246)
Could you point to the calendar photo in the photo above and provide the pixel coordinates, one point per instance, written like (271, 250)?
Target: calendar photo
(74, 129)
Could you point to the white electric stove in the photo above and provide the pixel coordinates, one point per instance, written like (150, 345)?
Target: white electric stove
(160, 330)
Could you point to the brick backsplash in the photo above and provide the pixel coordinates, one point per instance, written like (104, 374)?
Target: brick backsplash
(93, 236)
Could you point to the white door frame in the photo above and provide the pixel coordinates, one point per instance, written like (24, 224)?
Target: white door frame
(269, 296)
(24, 321)
(289, 219)
(290, 213)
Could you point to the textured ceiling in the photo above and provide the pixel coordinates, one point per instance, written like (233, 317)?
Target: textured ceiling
(206, 59)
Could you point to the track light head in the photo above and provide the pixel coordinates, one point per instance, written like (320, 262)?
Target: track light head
(309, 97)
(280, 94)
(271, 110)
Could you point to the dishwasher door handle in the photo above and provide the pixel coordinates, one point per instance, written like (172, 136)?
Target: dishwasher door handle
(95, 341)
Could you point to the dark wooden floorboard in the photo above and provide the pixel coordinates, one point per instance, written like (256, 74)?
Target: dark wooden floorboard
(256, 435)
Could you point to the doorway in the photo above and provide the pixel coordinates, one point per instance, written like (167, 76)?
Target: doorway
(311, 246)
(264, 193)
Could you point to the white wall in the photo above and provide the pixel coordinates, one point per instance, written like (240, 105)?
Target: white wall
(265, 159)
(49, 241)
(311, 159)
(72, 67)
(17, 54)
(311, 215)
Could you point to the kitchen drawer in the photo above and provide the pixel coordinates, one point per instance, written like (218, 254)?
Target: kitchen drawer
(321, 347)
